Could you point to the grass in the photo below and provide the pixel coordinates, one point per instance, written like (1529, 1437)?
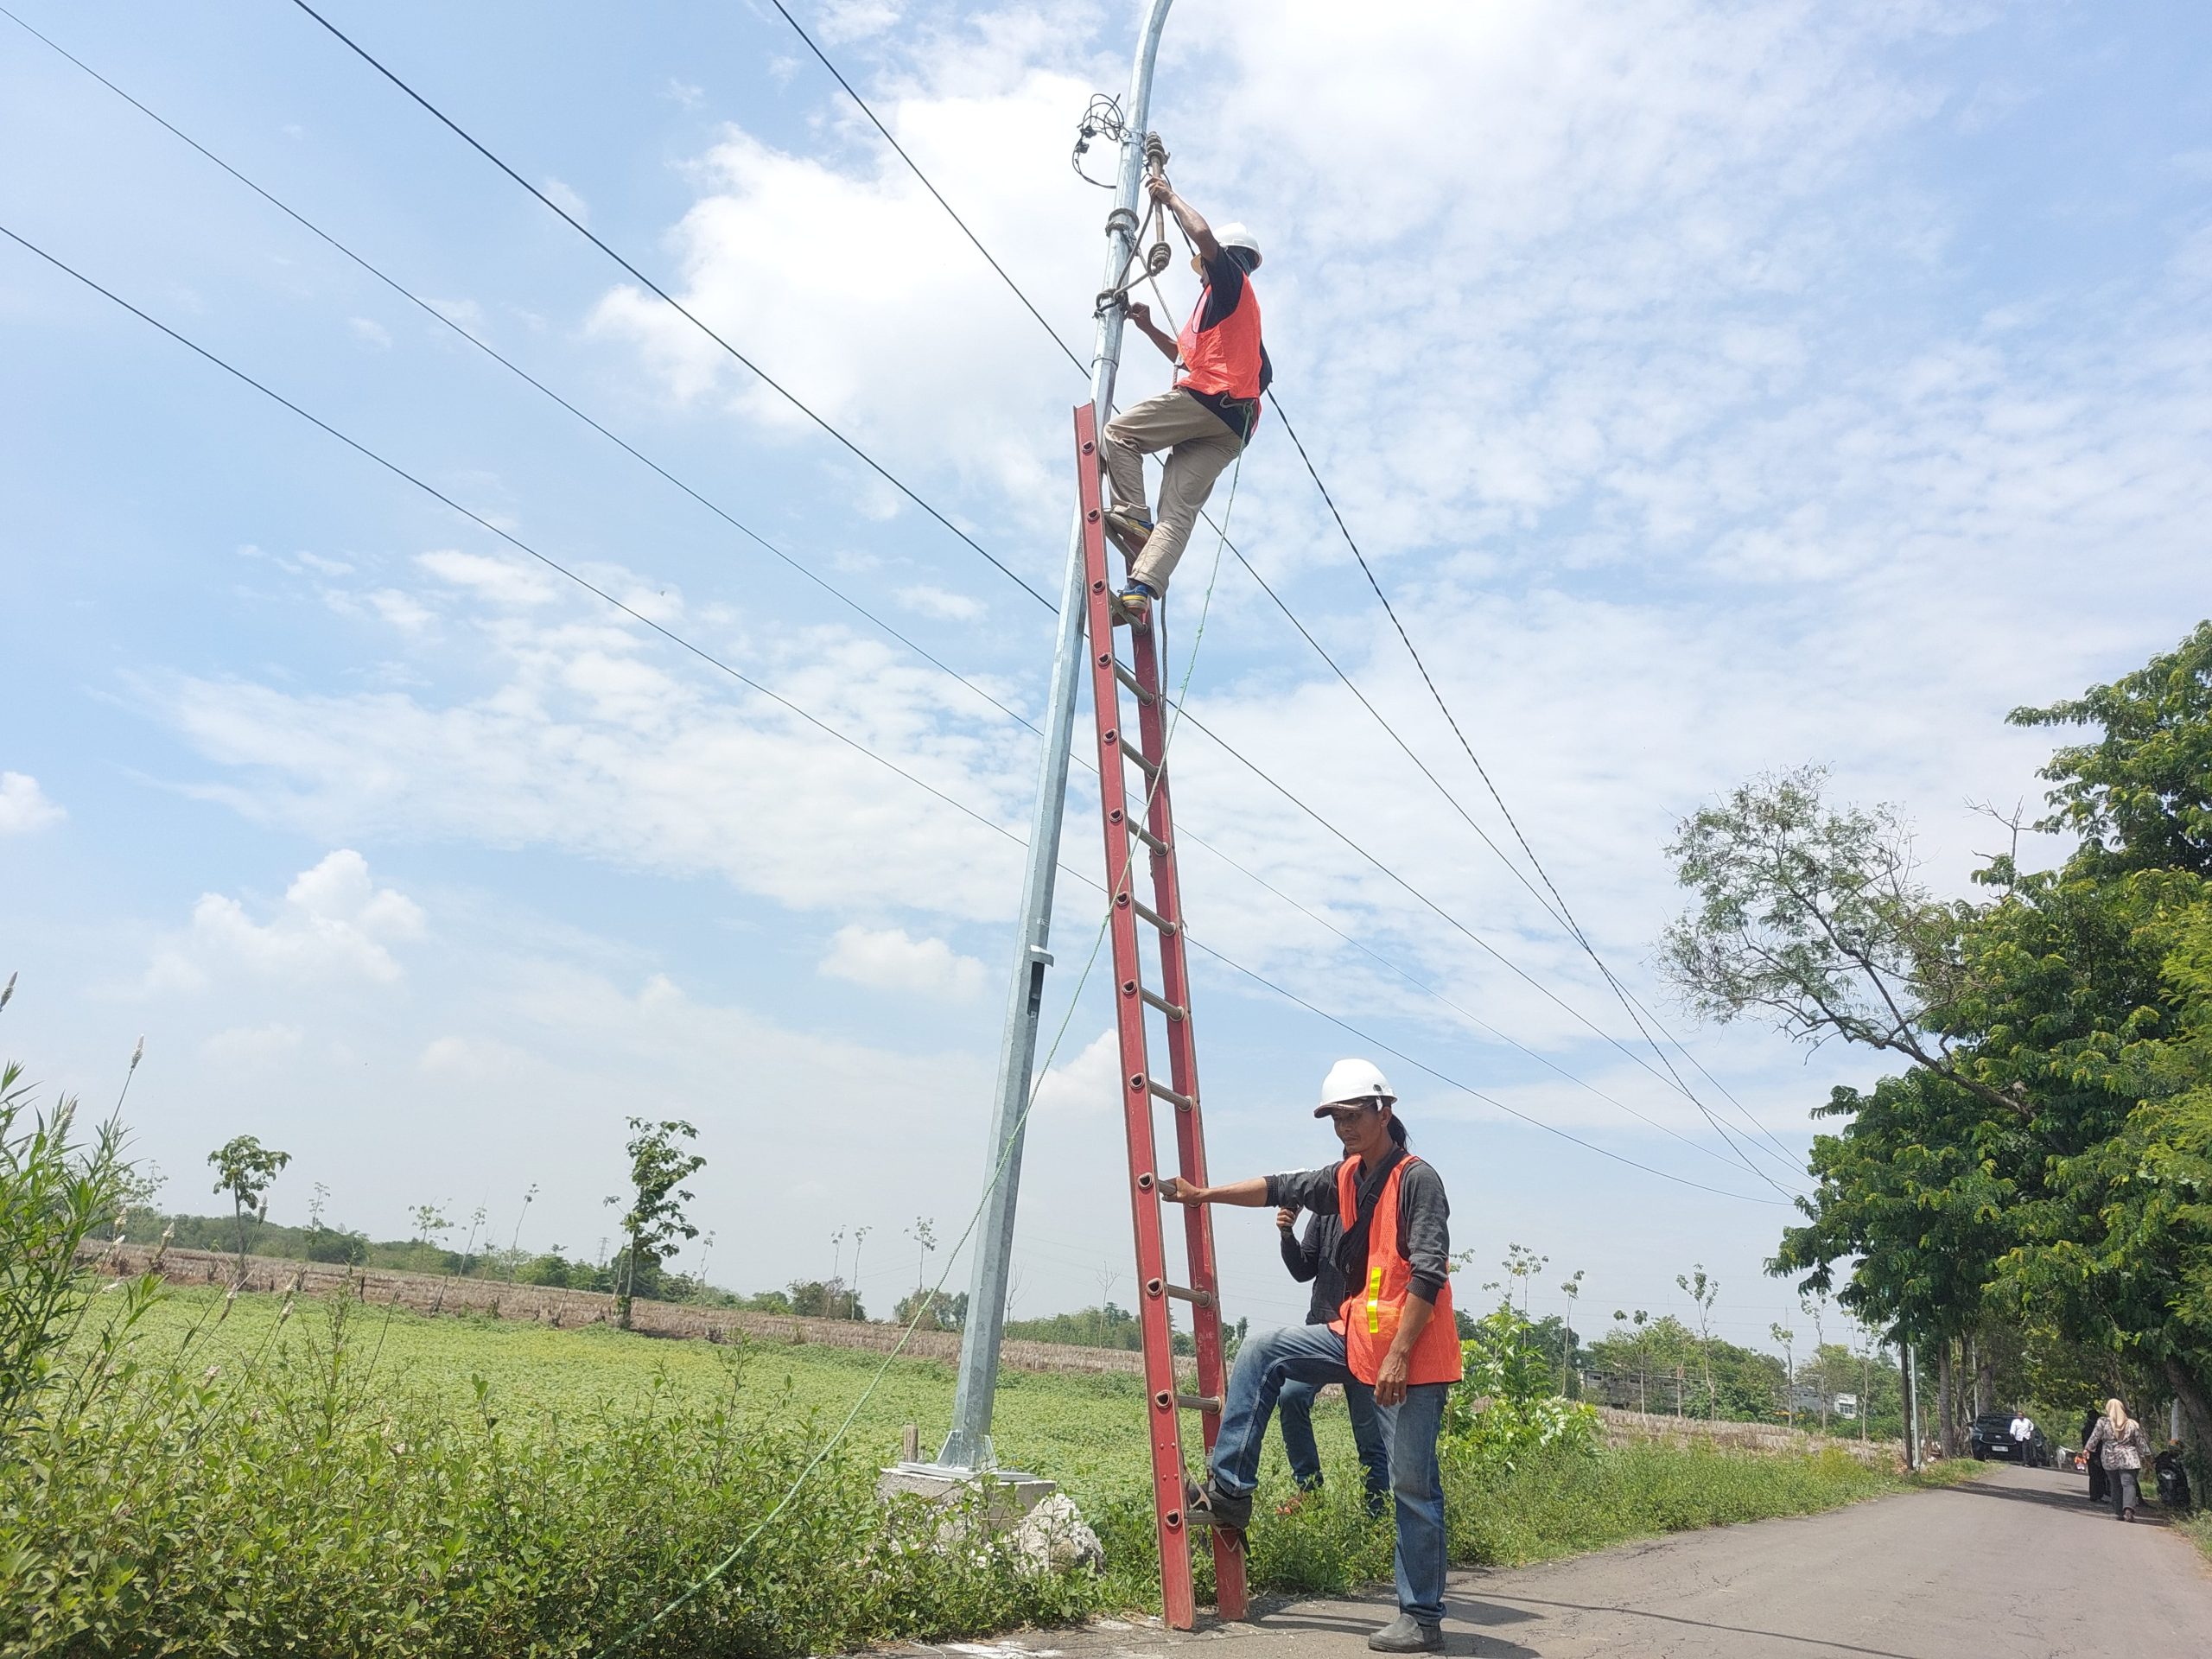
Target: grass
(362, 1481)
(2197, 1528)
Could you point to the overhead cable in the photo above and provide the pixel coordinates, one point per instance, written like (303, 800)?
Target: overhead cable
(839, 594)
(724, 667)
(681, 309)
(1565, 914)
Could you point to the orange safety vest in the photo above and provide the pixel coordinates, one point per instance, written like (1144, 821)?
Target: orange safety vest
(1372, 1310)
(1223, 359)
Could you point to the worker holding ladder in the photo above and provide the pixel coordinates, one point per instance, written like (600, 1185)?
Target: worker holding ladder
(1395, 1339)
(1205, 421)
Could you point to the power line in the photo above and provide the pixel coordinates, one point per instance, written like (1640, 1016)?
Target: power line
(584, 231)
(441, 317)
(448, 323)
(1015, 288)
(724, 667)
(1556, 904)
(1566, 915)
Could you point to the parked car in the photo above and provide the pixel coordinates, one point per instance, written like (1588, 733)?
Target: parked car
(1990, 1436)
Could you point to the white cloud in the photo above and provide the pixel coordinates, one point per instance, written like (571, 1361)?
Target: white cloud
(251, 1047)
(506, 582)
(335, 923)
(937, 603)
(891, 959)
(1089, 1082)
(567, 200)
(683, 92)
(24, 806)
(371, 331)
(597, 739)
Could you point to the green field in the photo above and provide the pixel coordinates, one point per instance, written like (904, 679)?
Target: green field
(1084, 1431)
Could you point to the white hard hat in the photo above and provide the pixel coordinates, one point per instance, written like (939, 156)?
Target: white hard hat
(1350, 1080)
(1236, 236)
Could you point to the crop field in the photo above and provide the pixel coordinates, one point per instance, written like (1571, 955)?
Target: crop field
(1085, 1432)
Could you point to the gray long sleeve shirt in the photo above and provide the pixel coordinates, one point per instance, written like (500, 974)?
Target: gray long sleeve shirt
(1424, 1218)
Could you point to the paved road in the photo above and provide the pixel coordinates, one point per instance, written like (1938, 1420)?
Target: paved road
(2014, 1564)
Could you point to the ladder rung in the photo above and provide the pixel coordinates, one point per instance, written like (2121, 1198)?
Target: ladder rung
(1131, 681)
(1147, 837)
(1172, 1010)
(1154, 916)
(1129, 751)
(1209, 1403)
(1184, 1293)
(1182, 1102)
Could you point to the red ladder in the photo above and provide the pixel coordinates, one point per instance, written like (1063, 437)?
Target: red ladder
(1140, 1089)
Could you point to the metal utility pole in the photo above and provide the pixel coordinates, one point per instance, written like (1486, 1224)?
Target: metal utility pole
(967, 1447)
(1911, 1403)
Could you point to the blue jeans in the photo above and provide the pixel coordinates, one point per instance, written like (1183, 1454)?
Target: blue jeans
(1313, 1354)
(1294, 1405)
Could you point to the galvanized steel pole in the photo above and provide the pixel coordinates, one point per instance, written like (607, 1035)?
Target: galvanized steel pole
(967, 1447)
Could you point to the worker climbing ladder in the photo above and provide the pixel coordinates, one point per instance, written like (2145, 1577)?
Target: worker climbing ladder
(1151, 825)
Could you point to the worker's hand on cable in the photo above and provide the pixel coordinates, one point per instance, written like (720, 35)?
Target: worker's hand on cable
(1176, 1190)
(1286, 1218)
(1390, 1380)
(1140, 314)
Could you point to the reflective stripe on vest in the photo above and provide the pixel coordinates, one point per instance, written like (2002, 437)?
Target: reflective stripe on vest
(1223, 359)
(1371, 1315)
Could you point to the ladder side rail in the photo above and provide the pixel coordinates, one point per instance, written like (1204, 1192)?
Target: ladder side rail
(1163, 1425)
(1153, 719)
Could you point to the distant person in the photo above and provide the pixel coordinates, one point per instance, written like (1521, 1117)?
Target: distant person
(2024, 1434)
(2123, 1445)
(1204, 423)
(2097, 1483)
(1311, 1258)
(1395, 1336)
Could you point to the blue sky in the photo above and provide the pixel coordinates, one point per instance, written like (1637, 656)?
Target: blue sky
(1715, 387)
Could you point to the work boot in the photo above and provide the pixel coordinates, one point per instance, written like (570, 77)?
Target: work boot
(1406, 1634)
(1210, 1506)
(1131, 527)
(1132, 606)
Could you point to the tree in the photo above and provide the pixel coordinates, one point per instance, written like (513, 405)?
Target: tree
(514, 1244)
(2140, 797)
(2038, 1175)
(430, 1226)
(1638, 1345)
(1787, 1338)
(1814, 1307)
(1704, 1292)
(1573, 1287)
(245, 1169)
(860, 1239)
(923, 1233)
(654, 1224)
(1817, 919)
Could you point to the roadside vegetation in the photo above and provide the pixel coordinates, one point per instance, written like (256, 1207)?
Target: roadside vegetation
(208, 1472)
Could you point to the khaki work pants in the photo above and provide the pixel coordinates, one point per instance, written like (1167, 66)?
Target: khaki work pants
(1199, 444)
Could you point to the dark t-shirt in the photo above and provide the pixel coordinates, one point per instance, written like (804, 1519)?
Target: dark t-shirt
(1424, 1218)
(1224, 287)
(1311, 1256)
